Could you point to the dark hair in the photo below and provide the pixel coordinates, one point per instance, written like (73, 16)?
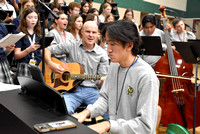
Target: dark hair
(58, 13)
(90, 17)
(176, 21)
(148, 18)
(55, 5)
(128, 10)
(23, 24)
(93, 10)
(83, 4)
(106, 1)
(124, 31)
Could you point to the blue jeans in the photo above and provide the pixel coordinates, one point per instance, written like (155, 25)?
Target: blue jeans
(86, 95)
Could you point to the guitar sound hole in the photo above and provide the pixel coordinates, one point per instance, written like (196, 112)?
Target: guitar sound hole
(66, 76)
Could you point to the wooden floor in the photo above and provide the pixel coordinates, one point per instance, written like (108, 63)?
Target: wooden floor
(162, 130)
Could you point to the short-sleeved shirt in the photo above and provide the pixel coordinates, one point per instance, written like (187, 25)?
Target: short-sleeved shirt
(16, 22)
(94, 61)
(25, 43)
(3, 33)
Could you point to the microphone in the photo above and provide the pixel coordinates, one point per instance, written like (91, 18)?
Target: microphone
(194, 30)
(50, 11)
(168, 10)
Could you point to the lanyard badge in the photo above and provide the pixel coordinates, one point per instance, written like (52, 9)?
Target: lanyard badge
(32, 61)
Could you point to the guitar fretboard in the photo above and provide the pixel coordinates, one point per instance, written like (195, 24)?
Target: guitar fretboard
(86, 77)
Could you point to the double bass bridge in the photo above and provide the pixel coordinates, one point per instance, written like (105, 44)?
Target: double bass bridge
(177, 90)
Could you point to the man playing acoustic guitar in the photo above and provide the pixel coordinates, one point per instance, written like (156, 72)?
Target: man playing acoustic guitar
(87, 53)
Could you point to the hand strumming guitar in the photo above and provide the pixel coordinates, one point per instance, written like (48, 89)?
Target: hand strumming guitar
(56, 68)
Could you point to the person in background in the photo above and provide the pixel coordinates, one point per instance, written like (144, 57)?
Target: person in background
(88, 54)
(24, 4)
(15, 4)
(94, 11)
(89, 1)
(5, 74)
(84, 8)
(59, 33)
(114, 10)
(4, 5)
(129, 15)
(130, 90)
(179, 33)
(109, 18)
(74, 27)
(149, 29)
(26, 50)
(92, 17)
(74, 8)
(55, 8)
(106, 10)
(60, 2)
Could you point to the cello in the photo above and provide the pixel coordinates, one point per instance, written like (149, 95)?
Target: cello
(177, 95)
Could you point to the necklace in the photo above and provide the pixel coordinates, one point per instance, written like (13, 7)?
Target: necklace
(118, 101)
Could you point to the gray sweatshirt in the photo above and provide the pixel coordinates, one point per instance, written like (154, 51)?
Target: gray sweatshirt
(137, 108)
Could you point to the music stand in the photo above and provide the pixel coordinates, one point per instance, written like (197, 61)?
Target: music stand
(9, 26)
(190, 52)
(151, 45)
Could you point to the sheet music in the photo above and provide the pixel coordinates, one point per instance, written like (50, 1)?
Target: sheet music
(11, 39)
(6, 87)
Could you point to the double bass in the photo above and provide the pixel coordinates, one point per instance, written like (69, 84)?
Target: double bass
(177, 96)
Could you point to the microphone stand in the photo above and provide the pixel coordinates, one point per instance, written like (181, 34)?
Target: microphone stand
(195, 95)
(193, 30)
(42, 8)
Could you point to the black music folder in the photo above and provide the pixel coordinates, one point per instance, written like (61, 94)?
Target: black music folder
(36, 87)
(151, 45)
(48, 41)
(188, 50)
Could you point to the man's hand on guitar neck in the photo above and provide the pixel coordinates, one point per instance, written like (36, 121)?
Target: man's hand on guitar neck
(56, 68)
(102, 80)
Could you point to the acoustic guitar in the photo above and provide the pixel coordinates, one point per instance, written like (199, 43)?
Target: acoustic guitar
(69, 79)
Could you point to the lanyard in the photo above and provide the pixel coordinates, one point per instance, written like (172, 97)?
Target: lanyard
(118, 101)
(180, 37)
(31, 41)
(61, 36)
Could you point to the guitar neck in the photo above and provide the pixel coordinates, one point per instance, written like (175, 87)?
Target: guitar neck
(86, 76)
